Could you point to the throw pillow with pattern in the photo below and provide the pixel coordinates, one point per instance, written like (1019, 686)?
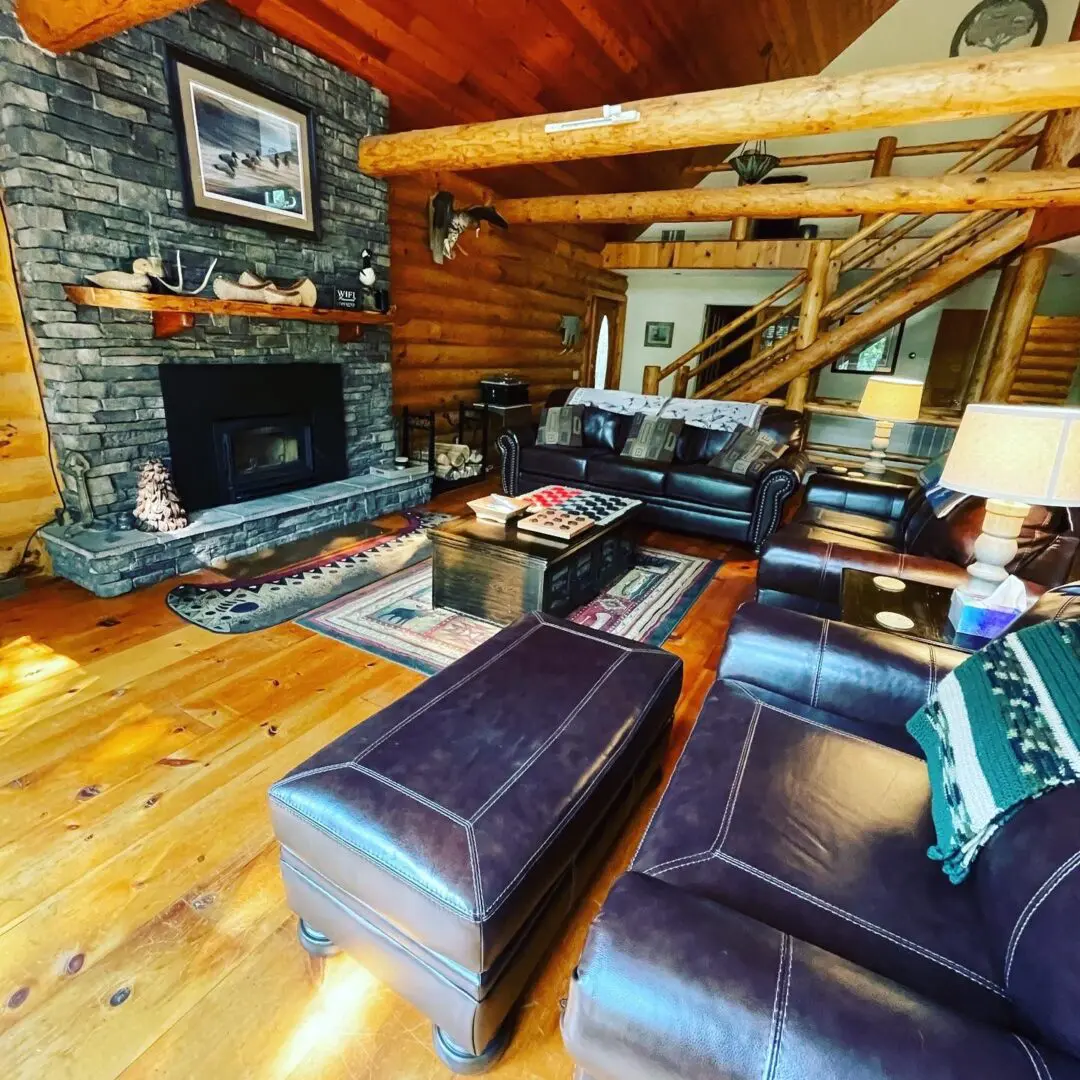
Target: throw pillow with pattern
(749, 453)
(652, 438)
(562, 426)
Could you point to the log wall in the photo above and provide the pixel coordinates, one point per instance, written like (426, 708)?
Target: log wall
(28, 493)
(495, 307)
(1048, 362)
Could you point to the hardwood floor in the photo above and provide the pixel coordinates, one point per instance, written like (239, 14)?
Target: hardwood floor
(143, 927)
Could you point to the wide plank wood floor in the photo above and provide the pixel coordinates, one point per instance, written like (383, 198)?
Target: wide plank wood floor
(143, 926)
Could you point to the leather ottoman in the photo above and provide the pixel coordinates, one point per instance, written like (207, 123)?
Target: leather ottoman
(444, 841)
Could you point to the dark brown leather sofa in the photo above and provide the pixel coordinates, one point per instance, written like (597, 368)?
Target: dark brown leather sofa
(886, 529)
(683, 495)
(781, 918)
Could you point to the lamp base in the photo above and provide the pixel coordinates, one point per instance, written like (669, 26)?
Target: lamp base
(879, 444)
(996, 546)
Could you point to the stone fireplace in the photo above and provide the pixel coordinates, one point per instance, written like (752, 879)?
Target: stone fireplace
(278, 423)
(244, 431)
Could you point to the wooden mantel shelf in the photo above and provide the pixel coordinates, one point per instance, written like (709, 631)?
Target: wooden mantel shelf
(175, 314)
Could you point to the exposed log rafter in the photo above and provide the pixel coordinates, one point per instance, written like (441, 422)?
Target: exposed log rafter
(61, 26)
(949, 194)
(958, 89)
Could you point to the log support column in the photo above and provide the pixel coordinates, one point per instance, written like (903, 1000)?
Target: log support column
(650, 382)
(883, 159)
(820, 282)
(976, 380)
(1016, 322)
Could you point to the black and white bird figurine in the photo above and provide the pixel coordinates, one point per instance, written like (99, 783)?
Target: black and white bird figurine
(447, 223)
(367, 271)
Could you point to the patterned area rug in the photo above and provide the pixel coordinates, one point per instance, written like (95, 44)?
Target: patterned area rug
(238, 607)
(394, 617)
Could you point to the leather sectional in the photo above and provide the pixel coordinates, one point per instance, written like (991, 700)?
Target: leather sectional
(887, 529)
(685, 495)
(781, 919)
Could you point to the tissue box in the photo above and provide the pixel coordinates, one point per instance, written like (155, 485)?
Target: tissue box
(974, 616)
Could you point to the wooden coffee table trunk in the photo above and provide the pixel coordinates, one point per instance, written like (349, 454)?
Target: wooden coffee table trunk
(497, 573)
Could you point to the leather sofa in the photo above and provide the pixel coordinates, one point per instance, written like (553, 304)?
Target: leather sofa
(683, 495)
(887, 529)
(781, 918)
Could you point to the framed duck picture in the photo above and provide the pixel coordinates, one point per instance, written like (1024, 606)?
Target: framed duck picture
(247, 153)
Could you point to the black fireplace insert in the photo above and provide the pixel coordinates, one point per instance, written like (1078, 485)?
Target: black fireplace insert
(242, 431)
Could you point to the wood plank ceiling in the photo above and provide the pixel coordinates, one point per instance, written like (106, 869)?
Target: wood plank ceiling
(457, 61)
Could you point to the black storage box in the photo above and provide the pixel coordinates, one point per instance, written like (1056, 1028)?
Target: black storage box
(504, 390)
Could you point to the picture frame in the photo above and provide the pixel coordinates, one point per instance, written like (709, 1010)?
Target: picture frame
(247, 153)
(659, 335)
(875, 357)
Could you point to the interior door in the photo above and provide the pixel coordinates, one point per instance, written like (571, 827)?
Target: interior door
(954, 352)
(603, 366)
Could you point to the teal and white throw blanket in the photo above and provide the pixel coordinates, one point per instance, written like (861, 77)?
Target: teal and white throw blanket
(1003, 728)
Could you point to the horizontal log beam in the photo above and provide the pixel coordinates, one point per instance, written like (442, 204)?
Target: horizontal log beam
(61, 26)
(956, 89)
(848, 157)
(730, 255)
(958, 193)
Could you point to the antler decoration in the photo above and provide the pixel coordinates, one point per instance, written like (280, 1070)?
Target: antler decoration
(179, 286)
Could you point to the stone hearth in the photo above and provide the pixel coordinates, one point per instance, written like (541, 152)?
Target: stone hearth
(110, 562)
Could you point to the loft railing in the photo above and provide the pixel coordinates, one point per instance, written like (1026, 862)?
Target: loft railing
(869, 243)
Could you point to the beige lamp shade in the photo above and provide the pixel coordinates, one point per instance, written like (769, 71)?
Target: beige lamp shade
(1017, 453)
(887, 398)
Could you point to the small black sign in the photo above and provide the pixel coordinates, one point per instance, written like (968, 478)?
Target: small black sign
(346, 298)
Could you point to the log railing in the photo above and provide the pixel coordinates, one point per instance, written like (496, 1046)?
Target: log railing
(864, 246)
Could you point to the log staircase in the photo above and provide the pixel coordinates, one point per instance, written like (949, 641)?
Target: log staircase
(830, 323)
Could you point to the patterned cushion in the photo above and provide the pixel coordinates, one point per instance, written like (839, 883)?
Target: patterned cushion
(652, 438)
(561, 426)
(749, 453)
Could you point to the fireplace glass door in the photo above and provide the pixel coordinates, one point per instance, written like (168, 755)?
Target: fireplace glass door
(262, 455)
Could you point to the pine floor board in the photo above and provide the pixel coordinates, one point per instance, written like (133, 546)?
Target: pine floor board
(143, 925)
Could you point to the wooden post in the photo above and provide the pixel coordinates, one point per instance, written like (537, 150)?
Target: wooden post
(740, 226)
(883, 159)
(650, 381)
(1016, 322)
(991, 331)
(957, 89)
(955, 193)
(682, 382)
(901, 304)
(814, 297)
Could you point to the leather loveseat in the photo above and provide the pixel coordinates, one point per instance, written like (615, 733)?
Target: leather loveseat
(685, 494)
(887, 529)
(781, 918)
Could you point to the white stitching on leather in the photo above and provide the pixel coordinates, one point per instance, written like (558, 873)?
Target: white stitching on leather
(393, 871)
(748, 690)
(771, 1049)
(311, 772)
(824, 567)
(568, 816)
(744, 753)
(787, 997)
(449, 690)
(1030, 1050)
(548, 742)
(429, 803)
(822, 642)
(1041, 1060)
(863, 923)
(564, 628)
(1033, 905)
(736, 785)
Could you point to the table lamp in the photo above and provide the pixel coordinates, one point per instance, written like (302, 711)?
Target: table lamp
(887, 400)
(1015, 456)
